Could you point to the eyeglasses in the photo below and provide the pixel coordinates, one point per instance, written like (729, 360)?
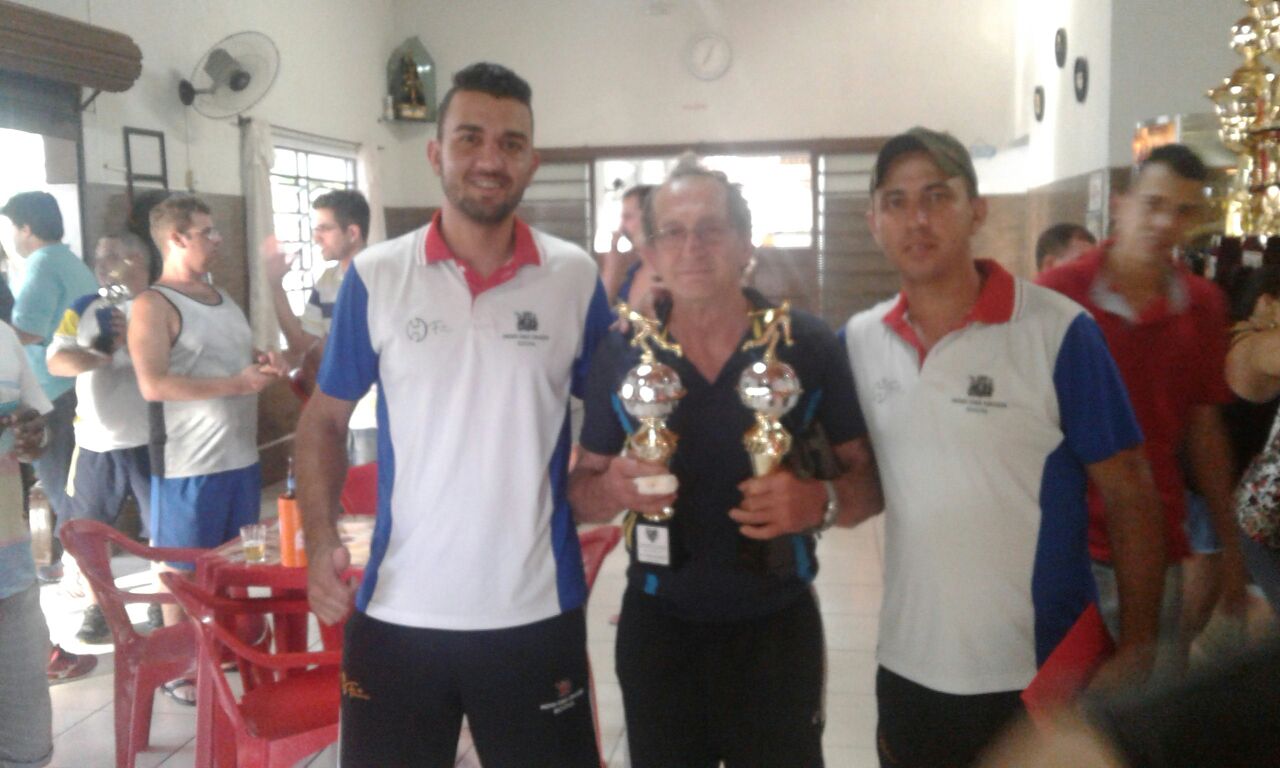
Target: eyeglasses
(674, 239)
(325, 228)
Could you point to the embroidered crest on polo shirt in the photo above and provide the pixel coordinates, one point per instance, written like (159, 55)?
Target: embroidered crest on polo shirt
(978, 397)
(526, 333)
(351, 689)
(526, 321)
(566, 697)
(419, 329)
(981, 386)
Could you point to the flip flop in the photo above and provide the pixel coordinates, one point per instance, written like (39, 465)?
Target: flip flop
(181, 690)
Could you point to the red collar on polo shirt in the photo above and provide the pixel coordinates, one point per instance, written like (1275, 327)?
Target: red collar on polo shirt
(994, 305)
(523, 253)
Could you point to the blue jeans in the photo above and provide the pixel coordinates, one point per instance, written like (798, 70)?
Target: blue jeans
(26, 714)
(1263, 564)
(1199, 526)
(54, 464)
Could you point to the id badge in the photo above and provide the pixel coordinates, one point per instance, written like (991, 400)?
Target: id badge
(653, 544)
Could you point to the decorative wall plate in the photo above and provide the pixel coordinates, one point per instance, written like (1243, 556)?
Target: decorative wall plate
(1081, 79)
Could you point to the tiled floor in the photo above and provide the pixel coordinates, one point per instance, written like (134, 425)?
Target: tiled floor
(848, 585)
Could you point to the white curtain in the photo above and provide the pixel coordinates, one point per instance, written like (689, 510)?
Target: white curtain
(369, 180)
(256, 158)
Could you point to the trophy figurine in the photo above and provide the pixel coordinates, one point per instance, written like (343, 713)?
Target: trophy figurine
(770, 388)
(650, 392)
(114, 293)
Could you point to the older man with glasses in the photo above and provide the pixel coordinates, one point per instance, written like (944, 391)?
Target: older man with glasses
(720, 647)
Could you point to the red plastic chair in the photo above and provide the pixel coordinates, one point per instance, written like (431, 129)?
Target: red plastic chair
(142, 662)
(293, 710)
(596, 545)
(360, 491)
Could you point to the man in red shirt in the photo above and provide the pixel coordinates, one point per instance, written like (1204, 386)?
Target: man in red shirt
(1167, 330)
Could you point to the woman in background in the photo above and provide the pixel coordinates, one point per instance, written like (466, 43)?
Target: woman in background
(1253, 372)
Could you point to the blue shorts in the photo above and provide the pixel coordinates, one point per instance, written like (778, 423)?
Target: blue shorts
(1199, 527)
(204, 510)
(99, 483)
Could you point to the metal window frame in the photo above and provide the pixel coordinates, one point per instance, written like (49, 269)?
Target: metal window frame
(308, 184)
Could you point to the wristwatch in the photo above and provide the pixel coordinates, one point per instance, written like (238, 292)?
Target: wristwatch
(830, 512)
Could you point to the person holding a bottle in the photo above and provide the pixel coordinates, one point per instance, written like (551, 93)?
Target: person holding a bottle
(110, 460)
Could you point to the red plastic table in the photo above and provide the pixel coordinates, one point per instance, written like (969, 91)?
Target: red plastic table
(225, 570)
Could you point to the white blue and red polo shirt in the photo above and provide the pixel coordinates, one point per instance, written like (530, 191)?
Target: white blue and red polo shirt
(982, 446)
(474, 374)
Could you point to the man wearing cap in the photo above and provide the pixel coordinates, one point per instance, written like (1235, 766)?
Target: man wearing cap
(991, 403)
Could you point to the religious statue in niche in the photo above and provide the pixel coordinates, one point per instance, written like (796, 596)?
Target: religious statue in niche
(411, 83)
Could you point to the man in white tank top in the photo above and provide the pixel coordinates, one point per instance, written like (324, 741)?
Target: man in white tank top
(192, 350)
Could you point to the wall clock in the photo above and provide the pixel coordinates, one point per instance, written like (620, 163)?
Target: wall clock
(709, 56)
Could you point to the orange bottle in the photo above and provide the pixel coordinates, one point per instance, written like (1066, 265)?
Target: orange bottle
(293, 549)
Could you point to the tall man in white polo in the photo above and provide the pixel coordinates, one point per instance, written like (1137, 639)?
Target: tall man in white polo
(990, 403)
(475, 328)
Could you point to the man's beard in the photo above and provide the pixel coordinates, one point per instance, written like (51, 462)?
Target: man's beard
(479, 212)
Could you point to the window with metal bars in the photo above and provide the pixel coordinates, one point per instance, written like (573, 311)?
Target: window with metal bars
(808, 199)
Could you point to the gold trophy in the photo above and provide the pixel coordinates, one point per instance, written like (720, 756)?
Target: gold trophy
(1247, 105)
(650, 392)
(115, 293)
(770, 388)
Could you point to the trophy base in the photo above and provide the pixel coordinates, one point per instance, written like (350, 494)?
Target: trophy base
(655, 543)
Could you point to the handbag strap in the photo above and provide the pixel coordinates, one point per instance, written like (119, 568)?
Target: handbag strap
(1271, 436)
